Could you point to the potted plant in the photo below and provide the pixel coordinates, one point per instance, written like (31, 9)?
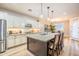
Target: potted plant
(52, 27)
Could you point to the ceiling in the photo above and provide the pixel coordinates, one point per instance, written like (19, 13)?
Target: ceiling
(60, 9)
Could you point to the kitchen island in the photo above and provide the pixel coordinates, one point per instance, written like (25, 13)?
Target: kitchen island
(38, 43)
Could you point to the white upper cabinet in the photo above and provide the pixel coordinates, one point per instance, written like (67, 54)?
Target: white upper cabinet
(3, 15)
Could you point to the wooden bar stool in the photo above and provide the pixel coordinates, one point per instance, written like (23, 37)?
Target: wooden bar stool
(53, 46)
(61, 44)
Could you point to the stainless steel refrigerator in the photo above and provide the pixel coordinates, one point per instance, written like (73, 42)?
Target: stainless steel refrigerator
(3, 35)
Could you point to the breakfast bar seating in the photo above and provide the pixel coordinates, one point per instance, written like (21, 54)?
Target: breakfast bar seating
(56, 45)
(61, 42)
(53, 46)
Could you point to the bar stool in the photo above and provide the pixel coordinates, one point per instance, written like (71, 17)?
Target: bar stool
(60, 44)
(62, 40)
(53, 46)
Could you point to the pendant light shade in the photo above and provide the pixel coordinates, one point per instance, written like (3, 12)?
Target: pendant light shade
(48, 10)
(48, 13)
(41, 16)
(52, 13)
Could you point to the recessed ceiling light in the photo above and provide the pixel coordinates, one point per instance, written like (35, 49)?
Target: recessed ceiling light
(65, 13)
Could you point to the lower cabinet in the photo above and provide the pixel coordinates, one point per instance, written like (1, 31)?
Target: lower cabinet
(23, 39)
(18, 41)
(10, 41)
(15, 41)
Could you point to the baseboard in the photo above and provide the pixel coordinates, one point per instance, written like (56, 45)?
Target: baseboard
(16, 46)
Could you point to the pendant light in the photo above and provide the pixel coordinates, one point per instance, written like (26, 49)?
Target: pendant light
(48, 12)
(41, 16)
(52, 13)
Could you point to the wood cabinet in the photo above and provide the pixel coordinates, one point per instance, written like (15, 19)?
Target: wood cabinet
(37, 47)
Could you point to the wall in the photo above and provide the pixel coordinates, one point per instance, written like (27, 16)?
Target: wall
(67, 28)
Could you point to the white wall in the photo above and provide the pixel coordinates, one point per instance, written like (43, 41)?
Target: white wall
(14, 19)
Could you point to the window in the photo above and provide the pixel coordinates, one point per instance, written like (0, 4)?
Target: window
(59, 27)
(75, 29)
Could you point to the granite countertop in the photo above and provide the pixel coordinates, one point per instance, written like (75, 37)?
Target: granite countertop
(42, 36)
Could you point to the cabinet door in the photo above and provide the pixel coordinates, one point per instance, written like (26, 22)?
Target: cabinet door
(10, 42)
(17, 40)
(13, 41)
(23, 39)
